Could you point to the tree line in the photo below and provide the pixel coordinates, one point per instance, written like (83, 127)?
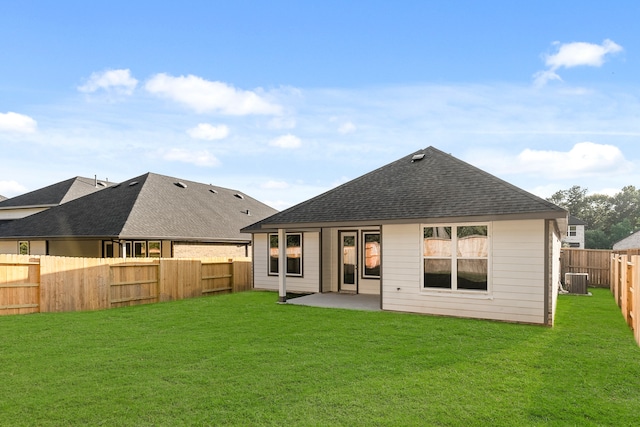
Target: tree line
(609, 218)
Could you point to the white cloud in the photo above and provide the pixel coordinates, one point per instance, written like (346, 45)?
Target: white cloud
(575, 54)
(584, 159)
(274, 185)
(11, 188)
(208, 132)
(14, 122)
(198, 158)
(118, 81)
(347, 127)
(286, 141)
(282, 122)
(208, 96)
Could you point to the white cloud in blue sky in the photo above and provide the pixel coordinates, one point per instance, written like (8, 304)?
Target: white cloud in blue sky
(208, 132)
(286, 141)
(196, 157)
(118, 81)
(17, 123)
(575, 54)
(203, 95)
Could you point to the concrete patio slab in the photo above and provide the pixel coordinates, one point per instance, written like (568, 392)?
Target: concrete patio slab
(338, 300)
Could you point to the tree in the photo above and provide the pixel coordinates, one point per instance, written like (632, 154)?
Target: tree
(609, 218)
(573, 199)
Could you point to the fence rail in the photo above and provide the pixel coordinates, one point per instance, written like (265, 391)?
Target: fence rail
(31, 284)
(625, 287)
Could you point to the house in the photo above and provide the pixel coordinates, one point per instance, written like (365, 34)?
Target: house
(2, 198)
(47, 197)
(632, 241)
(575, 233)
(428, 234)
(150, 215)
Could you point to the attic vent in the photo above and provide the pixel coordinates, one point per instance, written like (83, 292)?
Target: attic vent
(180, 184)
(132, 183)
(116, 186)
(417, 157)
(239, 196)
(101, 184)
(248, 212)
(213, 191)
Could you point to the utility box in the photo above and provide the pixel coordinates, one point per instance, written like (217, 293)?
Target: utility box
(576, 283)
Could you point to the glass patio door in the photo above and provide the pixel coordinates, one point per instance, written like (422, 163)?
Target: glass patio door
(349, 261)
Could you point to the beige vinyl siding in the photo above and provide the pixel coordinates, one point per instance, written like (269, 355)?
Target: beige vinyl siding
(9, 247)
(76, 248)
(516, 275)
(330, 260)
(36, 247)
(310, 280)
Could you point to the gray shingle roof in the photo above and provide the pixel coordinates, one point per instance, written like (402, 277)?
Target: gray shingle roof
(55, 194)
(576, 221)
(437, 186)
(150, 206)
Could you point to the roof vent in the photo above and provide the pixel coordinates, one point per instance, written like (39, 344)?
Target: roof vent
(248, 212)
(180, 184)
(239, 196)
(417, 157)
(132, 183)
(213, 191)
(101, 184)
(116, 186)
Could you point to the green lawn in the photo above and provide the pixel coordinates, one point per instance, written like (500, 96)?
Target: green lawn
(242, 359)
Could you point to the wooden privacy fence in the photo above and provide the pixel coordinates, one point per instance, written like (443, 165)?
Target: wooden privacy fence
(56, 284)
(625, 286)
(595, 262)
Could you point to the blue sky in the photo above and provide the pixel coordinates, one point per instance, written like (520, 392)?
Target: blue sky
(285, 99)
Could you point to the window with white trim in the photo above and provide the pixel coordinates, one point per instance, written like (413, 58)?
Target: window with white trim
(573, 231)
(456, 257)
(293, 251)
(371, 255)
(23, 247)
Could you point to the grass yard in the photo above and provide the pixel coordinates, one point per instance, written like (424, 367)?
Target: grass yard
(242, 359)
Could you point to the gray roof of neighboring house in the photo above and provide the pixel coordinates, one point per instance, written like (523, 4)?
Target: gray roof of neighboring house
(632, 241)
(55, 194)
(437, 187)
(576, 221)
(150, 206)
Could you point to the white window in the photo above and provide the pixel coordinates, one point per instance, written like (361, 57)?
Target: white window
(456, 257)
(294, 254)
(573, 231)
(23, 247)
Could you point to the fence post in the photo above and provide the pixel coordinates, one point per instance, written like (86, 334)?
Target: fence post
(636, 300)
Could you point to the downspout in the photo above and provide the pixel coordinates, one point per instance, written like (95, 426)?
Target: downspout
(381, 268)
(547, 273)
(282, 265)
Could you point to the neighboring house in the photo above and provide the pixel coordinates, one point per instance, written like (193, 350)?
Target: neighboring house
(575, 233)
(150, 215)
(2, 198)
(48, 197)
(429, 234)
(630, 242)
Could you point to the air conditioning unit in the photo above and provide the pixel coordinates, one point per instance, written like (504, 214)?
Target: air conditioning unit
(576, 283)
